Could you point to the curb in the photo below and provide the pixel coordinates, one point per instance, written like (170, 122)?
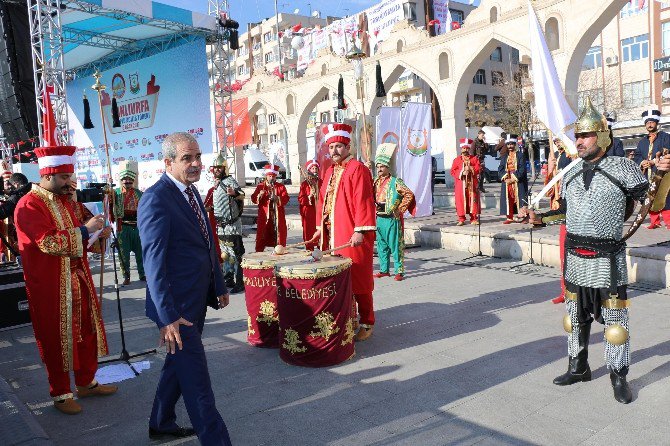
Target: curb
(18, 423)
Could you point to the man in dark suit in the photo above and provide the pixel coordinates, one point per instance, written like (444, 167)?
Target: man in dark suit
(183, 277)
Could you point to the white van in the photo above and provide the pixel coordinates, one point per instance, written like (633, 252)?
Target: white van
(254, 166)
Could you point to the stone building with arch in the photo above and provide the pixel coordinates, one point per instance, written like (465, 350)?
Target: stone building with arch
(447, 63)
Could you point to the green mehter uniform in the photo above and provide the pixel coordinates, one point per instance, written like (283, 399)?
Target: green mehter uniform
(126, 200)
(392, 198)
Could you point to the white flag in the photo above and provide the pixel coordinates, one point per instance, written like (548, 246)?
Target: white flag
(552, 108)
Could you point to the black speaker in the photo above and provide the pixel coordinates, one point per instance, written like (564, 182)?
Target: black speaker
(13, 298)
(18, 111)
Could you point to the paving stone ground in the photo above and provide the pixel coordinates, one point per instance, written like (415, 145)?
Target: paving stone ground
(463, 353)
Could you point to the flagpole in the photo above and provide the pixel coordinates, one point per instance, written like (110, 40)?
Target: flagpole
(109, 193)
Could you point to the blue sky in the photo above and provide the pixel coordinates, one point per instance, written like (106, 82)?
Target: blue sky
(245, 11)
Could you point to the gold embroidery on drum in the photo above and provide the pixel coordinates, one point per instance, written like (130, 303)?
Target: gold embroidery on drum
(292, 342)
(250, 329)
(260, 282)
(349, 332)
(325, 324)
(312, 293)
(268, 313)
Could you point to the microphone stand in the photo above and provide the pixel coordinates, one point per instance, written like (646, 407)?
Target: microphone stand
(124, 356)
(479, 229)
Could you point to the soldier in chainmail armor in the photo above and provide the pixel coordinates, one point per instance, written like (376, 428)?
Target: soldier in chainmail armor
(595, 196)
(228, 203)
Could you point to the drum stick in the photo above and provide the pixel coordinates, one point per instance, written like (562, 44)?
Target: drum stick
(318, 255)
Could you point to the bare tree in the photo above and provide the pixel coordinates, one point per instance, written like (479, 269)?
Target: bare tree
(515, 110)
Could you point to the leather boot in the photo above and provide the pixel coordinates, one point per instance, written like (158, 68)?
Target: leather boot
(622, 392)
(578, 367)
(68, 406)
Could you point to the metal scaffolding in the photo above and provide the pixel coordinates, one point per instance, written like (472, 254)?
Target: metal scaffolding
(48, 63)
(220, 80)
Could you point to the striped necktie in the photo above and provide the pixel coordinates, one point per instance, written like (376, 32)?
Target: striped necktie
(196, 209)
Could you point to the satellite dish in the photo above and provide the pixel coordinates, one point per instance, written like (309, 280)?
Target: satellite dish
(296, 11)
(316, 14)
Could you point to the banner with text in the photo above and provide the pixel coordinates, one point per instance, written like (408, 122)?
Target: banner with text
(381, 19)
(441, 12)
(152, 103)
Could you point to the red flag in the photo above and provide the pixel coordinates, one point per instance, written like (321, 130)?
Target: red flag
(48, 121)
(239, 120)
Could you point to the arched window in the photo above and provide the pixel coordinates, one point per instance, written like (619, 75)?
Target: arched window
(290, 105)
(398, 46)
(324, 69)
(259, 87)
(552, 34)
(493, 15)
(444, 66)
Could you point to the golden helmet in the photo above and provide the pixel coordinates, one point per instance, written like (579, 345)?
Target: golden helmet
(220, 161)
(592, 121)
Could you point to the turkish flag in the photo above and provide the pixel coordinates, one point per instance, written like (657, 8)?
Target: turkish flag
(48, 121)
(236, 122)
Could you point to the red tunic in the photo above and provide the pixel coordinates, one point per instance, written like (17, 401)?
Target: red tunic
(209, 206)
(57, 276)
(466, 187)
(271, 222)
(308, 210)
(350, 208)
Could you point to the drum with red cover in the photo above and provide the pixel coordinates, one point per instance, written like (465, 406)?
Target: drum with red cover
(316, 327)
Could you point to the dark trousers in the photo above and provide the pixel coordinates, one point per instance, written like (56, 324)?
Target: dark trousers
(185, 374)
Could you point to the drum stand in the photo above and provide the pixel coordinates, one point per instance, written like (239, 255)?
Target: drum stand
(124, 356)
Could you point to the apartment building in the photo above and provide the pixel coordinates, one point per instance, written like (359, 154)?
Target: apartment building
(628, 67)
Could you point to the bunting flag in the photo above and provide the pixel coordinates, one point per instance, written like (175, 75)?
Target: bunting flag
(50, 130)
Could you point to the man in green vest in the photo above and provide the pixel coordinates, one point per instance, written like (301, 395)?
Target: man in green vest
(126, 200)
(392, 198)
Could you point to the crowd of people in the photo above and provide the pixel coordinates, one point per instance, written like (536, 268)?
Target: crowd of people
(189, 251)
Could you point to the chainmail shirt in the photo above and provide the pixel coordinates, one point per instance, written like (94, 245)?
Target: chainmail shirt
(599, 212)
(227, 208)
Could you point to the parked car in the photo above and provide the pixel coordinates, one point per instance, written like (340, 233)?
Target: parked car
(254, 166)
(438, 165)
(491, 164)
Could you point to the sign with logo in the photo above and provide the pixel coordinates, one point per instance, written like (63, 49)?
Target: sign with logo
(150, 96)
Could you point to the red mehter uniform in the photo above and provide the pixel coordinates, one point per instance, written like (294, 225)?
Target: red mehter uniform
(271, 221)
(347, 205)
(466, 184)
(64, 307)
(307, 199)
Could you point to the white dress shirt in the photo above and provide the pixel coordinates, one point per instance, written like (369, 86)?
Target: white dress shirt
(182, 188)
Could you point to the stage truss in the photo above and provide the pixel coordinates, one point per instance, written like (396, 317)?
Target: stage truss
(220, 80)
(48, 63)
(49, 38)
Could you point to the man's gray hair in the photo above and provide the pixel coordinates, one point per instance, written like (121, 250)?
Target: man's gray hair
(171, 141)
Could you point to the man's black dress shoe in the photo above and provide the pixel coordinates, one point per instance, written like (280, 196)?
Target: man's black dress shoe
(180, 432)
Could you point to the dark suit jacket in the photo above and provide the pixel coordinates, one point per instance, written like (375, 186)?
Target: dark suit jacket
(617, 148)
(183, 273)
